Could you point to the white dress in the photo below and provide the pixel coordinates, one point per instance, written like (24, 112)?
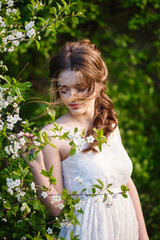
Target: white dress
(100, 222)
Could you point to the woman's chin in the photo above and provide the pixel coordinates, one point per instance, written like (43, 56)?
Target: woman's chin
(76, 111)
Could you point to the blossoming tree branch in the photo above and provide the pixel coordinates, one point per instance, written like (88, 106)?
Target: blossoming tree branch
(21, 209)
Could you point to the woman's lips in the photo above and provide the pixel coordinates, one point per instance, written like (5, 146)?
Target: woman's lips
(75, 106)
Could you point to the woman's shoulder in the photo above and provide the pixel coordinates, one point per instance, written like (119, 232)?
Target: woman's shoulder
(60, 121)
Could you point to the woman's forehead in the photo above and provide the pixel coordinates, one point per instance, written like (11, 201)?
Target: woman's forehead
(70, 78)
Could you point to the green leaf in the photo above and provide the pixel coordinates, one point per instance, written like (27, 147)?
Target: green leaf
(59, 6)
(93, 190)
(29, 157)
(100, 146)
(46, 173)
(124, 195)
(84, 132)
(75, 20)
(84, 190)
(100, 182)
(28, 236)
(48, 237)
(37, 44)
(56, 126)
(124, 188)
(64, 3)
(80, 14)
(6, 205)
(51, 170)
(57, 24)
(36, 205)
(53, 10)
(109, 191)
(25, 171)
(109, 185)
(50, 1)
(52, 145)
(97, 186)
(75, 130)
(30, 42)
(27, 208)
(105, 197)
(65, 193)
(100, 133)
(15, 210)
(30, 7)
(52, 180)
(72, 151)
(40, 134)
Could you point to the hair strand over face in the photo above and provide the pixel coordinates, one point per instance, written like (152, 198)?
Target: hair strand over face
(84, 58)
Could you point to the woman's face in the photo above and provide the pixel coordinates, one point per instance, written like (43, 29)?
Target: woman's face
(70, 87)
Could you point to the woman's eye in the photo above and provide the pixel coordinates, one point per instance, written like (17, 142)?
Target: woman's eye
(81, 89)
(63, 90)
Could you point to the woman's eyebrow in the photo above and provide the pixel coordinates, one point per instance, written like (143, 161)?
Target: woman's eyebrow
(59, 85)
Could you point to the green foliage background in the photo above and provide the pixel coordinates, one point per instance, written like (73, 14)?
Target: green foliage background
(128, 34)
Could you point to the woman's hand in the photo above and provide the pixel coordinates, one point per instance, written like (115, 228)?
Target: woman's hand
(38, 162)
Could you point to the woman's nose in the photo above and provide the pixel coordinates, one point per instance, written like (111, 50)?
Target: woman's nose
(73, 91)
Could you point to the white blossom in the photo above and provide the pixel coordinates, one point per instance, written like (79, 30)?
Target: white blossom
(11, 183)
(0, 5)
(22, 208)
(3, 24)
(16, 43)
(31, 32)
(17, 110)
(10, 191)
(56, 198)
(49, 230)
(8, 10)
(78, 179)
(15, 105)
(44, 194)
(10, 3)
(10, 126)
(20, 220)
(61, 205)
(1, 124)
(33, 186)
(36, 143)
(79, 205)
(14, 10)
(6, 149)
(19, 195)
(90, 139)
(11, 49)
(4, 220)
(20, 134)
(23, 238)
(29, 25)
(35, 6)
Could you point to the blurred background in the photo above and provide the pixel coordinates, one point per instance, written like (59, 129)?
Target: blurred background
(127, 32)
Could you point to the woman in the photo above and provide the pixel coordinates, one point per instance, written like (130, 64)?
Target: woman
(80, 75)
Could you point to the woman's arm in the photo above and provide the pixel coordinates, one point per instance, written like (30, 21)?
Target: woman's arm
(137, 205)
(45, 159)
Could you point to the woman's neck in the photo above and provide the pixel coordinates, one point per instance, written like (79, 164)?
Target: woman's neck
(85, 120)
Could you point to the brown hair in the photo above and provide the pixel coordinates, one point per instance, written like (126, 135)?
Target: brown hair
(82, 56)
